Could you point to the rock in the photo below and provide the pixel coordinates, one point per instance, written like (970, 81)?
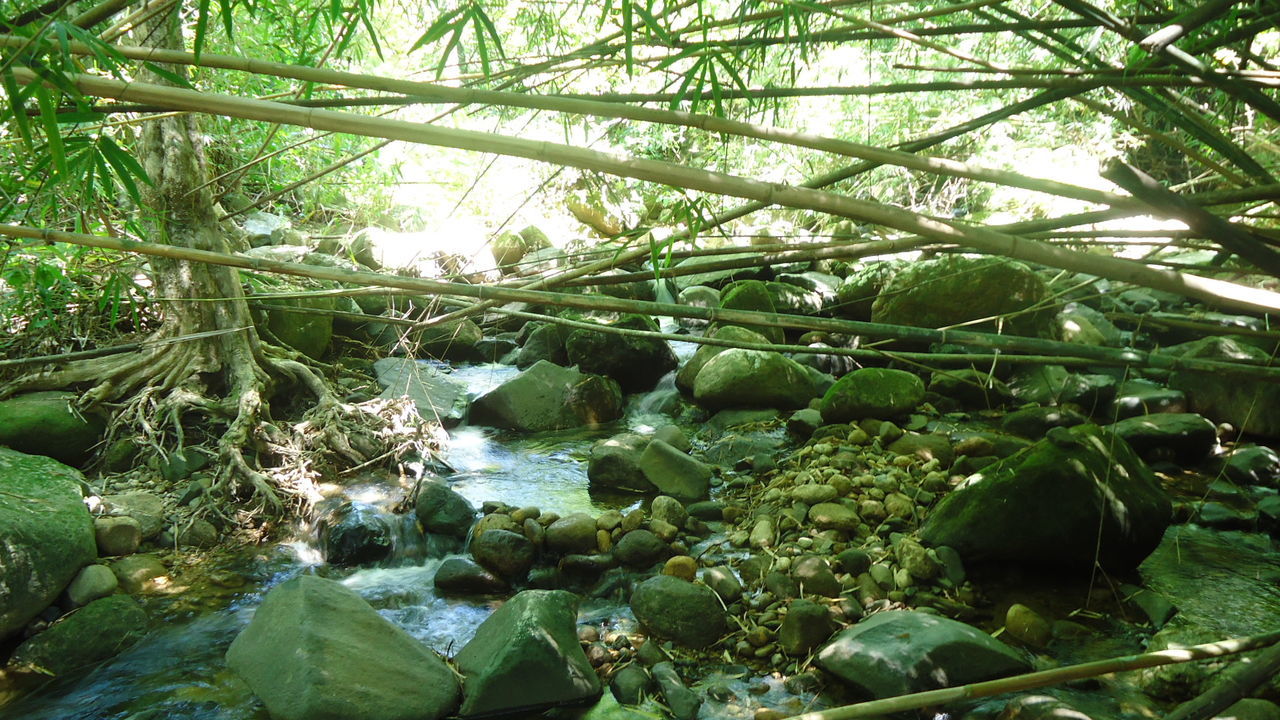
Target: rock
(197, 533)
(637, 363)
(814, 494)
(1034, 422)
(44, 423)
(1143, 397)
(95, 632)
(681, 567)
(316, 649)
(1186, 437)
(682, 701)
(675, 473)
(834, 516)
(753, 379)
(1252, 465)
(1026, 625)
(544, 342)
(614, 464)
(136, 573)
(751, 295)
(872, 392)
(688, 373)
(723, 582)
(953, 289)
(631, 684)
(915, 560)
(572, 534)
(804, 422)
(91, 583)
(853, 561)
(549, 397)
(715, 278)
(1044, 506)
(668, 509)
(453, 340)
(460, 576)
(510, 248)
(1077, 323)
(1251, 405)
(46, 532)
(144, 507)
(858, 291)
(354, 533)
(1250, 709)
(307, 333)
(441, 510)
(926, 447)
(510, 555)
(901, 652)
(806, 626)
(678, 610)
(526, 657)
(971, 388)
(640, 549)
(436, 395)
(117, 535)
(814, 577)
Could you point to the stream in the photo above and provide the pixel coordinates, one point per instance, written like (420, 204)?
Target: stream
(1225, 580)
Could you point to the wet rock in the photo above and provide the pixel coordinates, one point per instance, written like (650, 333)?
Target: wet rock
(1252, 405)
(526, 657)
(682, 611)
(549, 397)
(1077, 323)
(44, 423)
(916, 560)
(753, 379)
(572, 534)
(723, 582)
(95, 632)
(1034, 422)
(669, 510)
(952, 290)
(781, 585)
(637, 363)
(509, 555)
(751, 295)
(354, 533)
(441, 510)
(91, 583)
(971, 388)
(688, 373)
(1186, 437)
(834, 516)
(144, 507)
(675, 473)
(901, 652)
(1252, 465)
(926, 447)
(460, 576)
(681, 567)
(435, 393)
(136, 573)
(120, 535)
(1219, 515)
(316, 649)
(1026, 625)
(640, 549)
(46, 532)
(872, 392)
(631, 684)
(806, 626)
(1143, 397)
(682, 701)
(814, 577)
(543, 342)
(1043, 507)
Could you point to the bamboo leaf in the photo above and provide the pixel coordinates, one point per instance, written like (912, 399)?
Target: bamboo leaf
(202, 27)
(53, 136)
(15, 108)
(438, 29)
(169, 75)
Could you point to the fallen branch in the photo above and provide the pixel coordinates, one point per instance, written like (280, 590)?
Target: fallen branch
(1043, 678)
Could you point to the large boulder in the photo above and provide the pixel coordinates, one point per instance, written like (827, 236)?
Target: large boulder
(614, 464)
(857, 292)
(637, 363)
(45, 423)
(754, 296)
(673, 472)
(872, 392)
(510, 248)
(753, 378)
(902, 652)
(436, 395)
(544, 341)
(716, 278)
(441, 510)
(95, 632)
(1249, 404)
(353, 533)
(454, 340)
(679, 610)
(316, 649)
(688, 372)
(549, 397)
(526, 657)
(1080, 495)
(45, 531)
(1185, 437)
(954, 289)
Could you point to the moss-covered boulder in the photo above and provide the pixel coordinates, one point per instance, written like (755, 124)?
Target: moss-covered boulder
(45, 531)
(637, 363)
(752, 295)
(1249, 404)
(46, 423)
(689, 371)
(872, 392)
(753, 379)
(98, 631)
(953, 289)
(1077, 497)
(688, 613)
(549, 397)
(510, 248)
(860, 288)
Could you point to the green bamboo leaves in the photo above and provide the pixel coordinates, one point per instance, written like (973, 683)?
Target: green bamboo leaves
(455, 23)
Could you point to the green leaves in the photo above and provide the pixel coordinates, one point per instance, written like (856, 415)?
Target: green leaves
(710, 74)
(455, 23)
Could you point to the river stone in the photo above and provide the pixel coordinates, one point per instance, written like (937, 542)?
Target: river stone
(630, 684)
(668, 509)
(544, 342)
(971, 388)
(549, 397)
(308, 333)
(834, 516)
(872, 392)
(915, 560)
(91, 583)
(45, 423)
(437, 395)
(614, 464)
(146, 508)
(859, 289)
(572, 534)
(953, 289)
(453, 340)
(678, 610)
(814, 577)
(723, 582)
(95, 632)
(681, 567)
(814, 494)
(316, 649)
(461, 576)
(1187, 437)
(1043, 507)
(637, 363)
(688, 372)
(751, 295)
(46, 532)
(673, 436)
(120, 535)
(1034, 422)
(901, 652)
(674, 473)
(926, 447)
(753, 379)
(806, 626)
(354, 533)
(136, 572)
(510, 248)
(441, 510)
(526, 657)
(640, 549)
(1026, 625)
(510, 555)
(683, 702)
(1252, 465)
(1251, 405)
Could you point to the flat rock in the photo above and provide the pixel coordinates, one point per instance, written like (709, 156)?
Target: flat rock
(549, 397)
(436, 394)
(1186, 437)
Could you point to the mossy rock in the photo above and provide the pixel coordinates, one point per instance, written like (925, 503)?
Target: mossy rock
(872, 392)
(953, 289)
(752, 295)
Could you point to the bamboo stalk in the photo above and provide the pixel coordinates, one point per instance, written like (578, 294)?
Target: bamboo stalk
(611, 304)
(1232, 685)
(1044, 677)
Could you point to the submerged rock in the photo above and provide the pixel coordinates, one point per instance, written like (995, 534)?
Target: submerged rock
(316, 649)
(549, 397)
